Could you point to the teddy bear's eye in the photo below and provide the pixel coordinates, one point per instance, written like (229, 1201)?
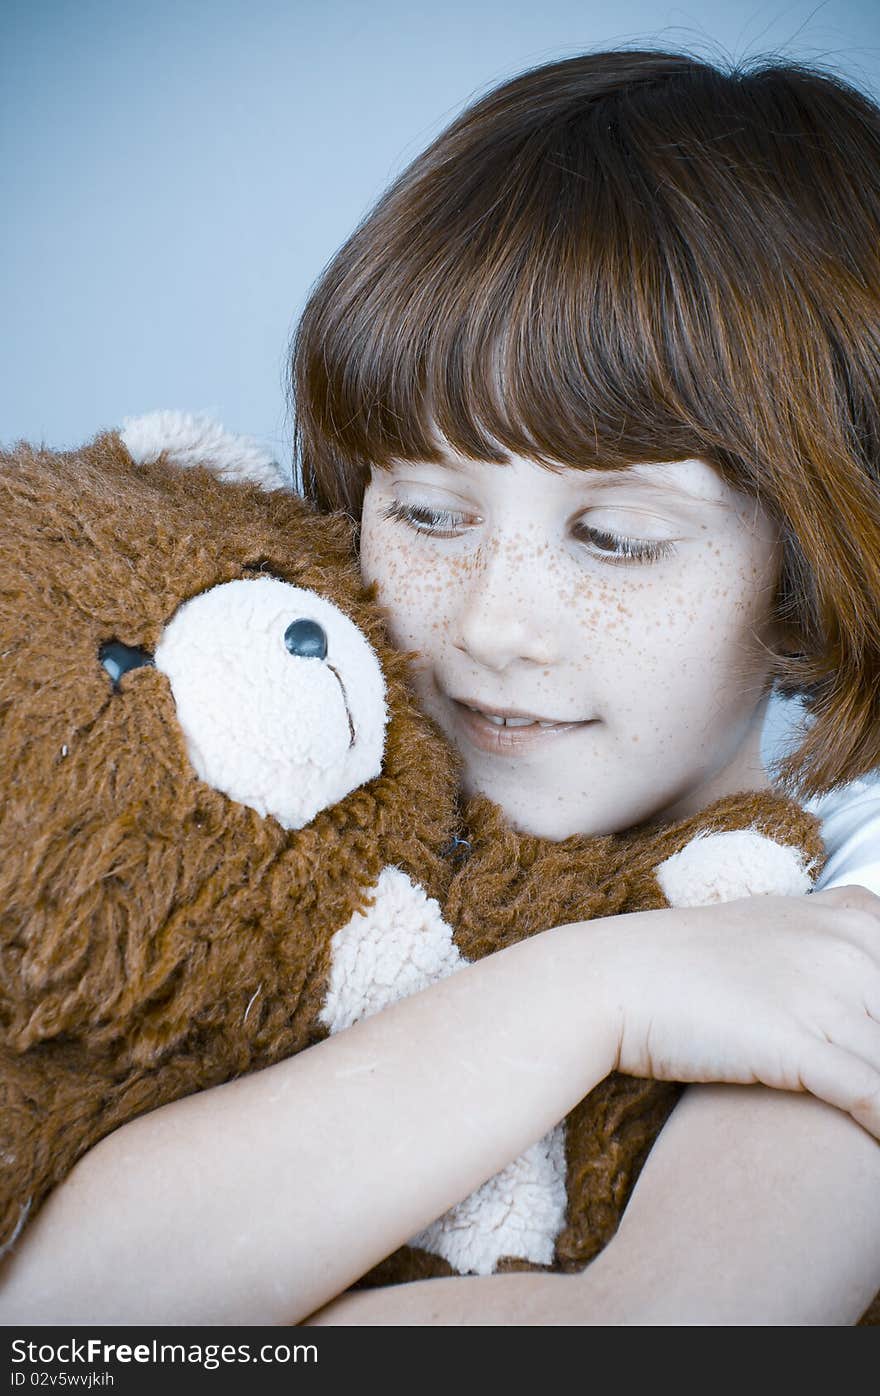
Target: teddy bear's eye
(306, 639)
(117, 659)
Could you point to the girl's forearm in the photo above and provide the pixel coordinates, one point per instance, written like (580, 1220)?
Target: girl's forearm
(518, 1301)
(737, 1219)
(260, 1200)
(274, 1192)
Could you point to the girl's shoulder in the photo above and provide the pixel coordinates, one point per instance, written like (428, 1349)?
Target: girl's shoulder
(850, 814)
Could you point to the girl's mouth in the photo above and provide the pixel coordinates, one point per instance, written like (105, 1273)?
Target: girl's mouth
(506, 732)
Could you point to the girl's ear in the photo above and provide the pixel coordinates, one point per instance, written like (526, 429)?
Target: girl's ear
(784, 638)
(790, 645)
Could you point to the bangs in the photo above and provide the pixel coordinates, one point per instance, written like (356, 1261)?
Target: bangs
(538, 323)
(569, 300)
(530, 313)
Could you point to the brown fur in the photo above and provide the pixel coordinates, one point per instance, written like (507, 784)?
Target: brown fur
(155, 936)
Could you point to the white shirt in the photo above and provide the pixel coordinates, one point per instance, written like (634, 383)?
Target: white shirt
(850, 815)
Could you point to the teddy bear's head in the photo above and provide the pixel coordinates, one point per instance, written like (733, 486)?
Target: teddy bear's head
(208, 750)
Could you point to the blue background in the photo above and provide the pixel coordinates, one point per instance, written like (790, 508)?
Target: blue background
(175, 175)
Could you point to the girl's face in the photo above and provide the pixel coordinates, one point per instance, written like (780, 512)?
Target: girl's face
(591, 641)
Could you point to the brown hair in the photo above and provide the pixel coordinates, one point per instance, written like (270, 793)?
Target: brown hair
(633, 256)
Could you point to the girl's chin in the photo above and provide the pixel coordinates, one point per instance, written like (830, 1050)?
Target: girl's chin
(545, 813)
(541, 818)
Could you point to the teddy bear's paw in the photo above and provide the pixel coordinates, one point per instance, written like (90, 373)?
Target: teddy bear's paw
(396, 947)
(518, 1213)
(189, 439)
(735, 863)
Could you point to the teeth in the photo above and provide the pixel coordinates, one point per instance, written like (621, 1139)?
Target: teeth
(498, 721)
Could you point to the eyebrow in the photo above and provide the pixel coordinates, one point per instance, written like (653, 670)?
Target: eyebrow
(646, 474)
(651, 482)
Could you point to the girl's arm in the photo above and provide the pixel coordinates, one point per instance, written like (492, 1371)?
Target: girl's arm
(274, 1192)
(259, 1200)
(754, 1207)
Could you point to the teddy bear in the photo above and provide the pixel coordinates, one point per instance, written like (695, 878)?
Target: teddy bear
(210, 755)
(227, 831)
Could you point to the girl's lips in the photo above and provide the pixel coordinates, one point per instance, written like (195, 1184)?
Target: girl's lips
(490, 737)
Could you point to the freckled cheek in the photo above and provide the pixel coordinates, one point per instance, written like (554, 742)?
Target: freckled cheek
(597, 611)
(718, 603)
(665, 638)
(628, 624)
(415, 589)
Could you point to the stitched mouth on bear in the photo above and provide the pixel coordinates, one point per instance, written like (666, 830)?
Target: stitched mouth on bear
(307, 639)
(351, 731)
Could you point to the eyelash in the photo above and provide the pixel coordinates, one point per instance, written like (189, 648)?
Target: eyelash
(612, 547)
(618, 547)
(442, 523)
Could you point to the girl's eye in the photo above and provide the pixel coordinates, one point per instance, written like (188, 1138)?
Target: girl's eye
(442, 523)
(617, 547)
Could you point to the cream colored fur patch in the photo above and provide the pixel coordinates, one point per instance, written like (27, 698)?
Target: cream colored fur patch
(399, 945)
(736, 863)
(190, 439)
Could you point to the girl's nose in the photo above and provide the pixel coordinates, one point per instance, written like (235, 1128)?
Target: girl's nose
(504, 617)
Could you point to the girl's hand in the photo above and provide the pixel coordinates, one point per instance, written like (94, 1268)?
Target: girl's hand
(781, 990)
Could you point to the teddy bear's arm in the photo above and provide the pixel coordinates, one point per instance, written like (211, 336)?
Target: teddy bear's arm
(744, 845)
(397, 946)
(736, 863)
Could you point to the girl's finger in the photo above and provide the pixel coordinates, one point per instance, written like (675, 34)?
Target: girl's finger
(852, 897)
(846, 1081)
(859, 1035)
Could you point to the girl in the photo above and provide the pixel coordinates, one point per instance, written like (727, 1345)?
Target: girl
(600, 379)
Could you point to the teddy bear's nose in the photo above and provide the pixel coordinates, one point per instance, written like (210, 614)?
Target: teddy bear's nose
(306, 639)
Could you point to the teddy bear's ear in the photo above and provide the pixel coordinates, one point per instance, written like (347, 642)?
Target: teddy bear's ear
(188, 439)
